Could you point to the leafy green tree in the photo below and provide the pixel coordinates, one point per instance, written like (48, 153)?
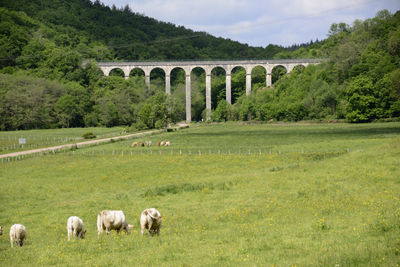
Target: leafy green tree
(66, 110)
(362, 103)
(223, 112)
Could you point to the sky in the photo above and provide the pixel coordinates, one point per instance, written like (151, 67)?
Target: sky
(260, 22)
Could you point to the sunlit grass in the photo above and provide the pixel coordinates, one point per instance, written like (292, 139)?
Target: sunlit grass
(324, 195)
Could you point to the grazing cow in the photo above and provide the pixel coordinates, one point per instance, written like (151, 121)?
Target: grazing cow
(167, 143)
(17, 234)
(141, 144)
(162, 143)
(151, 221)
(75, 227)
(111, 220)
(134, 144)
(148, 143)
(1, 230)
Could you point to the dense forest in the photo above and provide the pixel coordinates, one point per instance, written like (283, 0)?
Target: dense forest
(43, 83)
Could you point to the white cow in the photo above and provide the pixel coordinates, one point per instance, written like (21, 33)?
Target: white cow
(1, 230)
(150, 220)
(111, 220)
(75, 227)
(167, 143)
(17, 234)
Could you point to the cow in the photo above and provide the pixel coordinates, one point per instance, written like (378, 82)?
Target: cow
(1, 230)
(148, 143)
(75, 227)
(17, 234)
(150, 220)
(162, 143)
(134, 144)
(111, 220)
(141, 144)
(167, 143)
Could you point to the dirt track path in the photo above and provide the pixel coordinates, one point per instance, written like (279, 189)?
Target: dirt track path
(78, 145)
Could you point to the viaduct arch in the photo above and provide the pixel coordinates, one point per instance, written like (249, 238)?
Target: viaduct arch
(207, 66)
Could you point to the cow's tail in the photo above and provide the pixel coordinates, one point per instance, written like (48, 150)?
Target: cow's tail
(99, 224)
(158, 216)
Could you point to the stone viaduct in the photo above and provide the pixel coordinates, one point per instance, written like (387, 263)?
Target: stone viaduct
(207, 66)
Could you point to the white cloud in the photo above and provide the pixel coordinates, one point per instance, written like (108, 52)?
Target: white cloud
(192, 12)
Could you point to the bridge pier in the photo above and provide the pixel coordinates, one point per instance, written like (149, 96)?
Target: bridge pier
(148, 83)
(167, 84)
(248, 82)
(208, 95)
(188, 99)
(228, 90)
(268, 81)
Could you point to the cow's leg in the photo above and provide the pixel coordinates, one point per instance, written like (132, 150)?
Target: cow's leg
(75, 233)
(108, 231)
(142, 229)
(69, 234)
(12, 241)
(151, 231)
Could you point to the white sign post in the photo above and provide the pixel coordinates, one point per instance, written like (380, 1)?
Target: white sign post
(22, 142)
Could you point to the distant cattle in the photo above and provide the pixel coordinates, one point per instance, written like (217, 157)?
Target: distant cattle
(1, 230)
(141, 144)
(111, 220)
(17, 234)
(75, 227)
(150, 220)
(164, 143)
(148, 143)
(134, 144)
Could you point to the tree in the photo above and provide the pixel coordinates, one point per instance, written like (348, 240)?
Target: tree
(361, 101)
(223, 112)
(66, 110)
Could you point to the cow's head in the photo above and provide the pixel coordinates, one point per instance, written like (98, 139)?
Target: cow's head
(83, 233)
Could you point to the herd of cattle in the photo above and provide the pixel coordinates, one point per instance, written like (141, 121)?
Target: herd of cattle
(107, 220)
(149, 143)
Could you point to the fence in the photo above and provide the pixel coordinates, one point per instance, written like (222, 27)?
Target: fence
(73, 151)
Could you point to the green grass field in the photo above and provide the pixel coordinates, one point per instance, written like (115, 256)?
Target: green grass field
(229, 194)
(9, 140)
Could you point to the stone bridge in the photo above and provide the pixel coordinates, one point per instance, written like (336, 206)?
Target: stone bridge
(207, 66)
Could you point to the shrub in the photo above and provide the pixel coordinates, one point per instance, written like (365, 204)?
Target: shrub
(89, 135)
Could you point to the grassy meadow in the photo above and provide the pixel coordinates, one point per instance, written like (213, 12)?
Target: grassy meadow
(230, 194)
(9, 140)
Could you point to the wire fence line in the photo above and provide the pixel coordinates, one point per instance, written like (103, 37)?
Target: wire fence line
(74, 152)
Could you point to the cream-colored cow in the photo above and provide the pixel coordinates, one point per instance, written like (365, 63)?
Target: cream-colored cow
(75, 227)
(150, 220)
(111, 220)
(17, 234)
